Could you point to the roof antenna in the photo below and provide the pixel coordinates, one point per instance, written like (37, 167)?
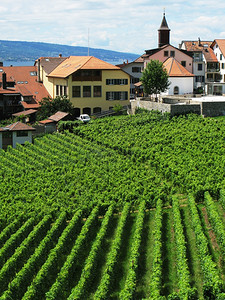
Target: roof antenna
(88, 41)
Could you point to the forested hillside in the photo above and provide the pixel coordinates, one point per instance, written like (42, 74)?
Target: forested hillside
(30, 51)
(125, 207)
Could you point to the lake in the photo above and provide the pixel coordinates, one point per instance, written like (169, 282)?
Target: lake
(31, 63)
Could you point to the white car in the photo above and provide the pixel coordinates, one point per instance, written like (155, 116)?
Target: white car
(84, 118)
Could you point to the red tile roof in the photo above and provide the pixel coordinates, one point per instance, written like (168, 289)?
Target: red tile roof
(209, 55)
(18, 126)
(221, 44)
(46, 121)
(25, 113)
(175, 69)
(75, 63)
(26, 83)
(49, 63)
(31, 105)
(196, 45)
(58, 116)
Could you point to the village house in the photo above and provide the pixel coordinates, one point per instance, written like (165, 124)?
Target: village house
(181, 79)
(16, 133)
(51, 124)
(91, 84)
(209, 65)
(134, 69)
(19, 90)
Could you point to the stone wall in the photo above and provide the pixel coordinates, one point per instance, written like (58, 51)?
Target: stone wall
(185, 109)
(173, 109)
(213, 109)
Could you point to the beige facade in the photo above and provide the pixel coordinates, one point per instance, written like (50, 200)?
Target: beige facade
(93, 87)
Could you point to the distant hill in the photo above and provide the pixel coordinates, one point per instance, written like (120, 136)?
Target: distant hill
(30, 51)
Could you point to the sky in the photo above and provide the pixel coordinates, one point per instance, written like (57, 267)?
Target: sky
(119, 25)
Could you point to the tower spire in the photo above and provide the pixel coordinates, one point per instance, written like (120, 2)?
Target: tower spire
(164, 32)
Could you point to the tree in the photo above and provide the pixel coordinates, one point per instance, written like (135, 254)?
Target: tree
(50, 106)
(155, 78)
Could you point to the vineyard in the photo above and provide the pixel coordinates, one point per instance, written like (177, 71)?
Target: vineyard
(128, 207)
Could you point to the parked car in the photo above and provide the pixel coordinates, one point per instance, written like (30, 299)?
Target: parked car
(84, 118)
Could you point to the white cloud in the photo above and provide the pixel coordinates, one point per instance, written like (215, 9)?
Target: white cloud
(125, 25)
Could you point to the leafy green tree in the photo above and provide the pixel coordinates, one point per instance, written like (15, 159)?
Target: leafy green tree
(155, 78)
(50, 106)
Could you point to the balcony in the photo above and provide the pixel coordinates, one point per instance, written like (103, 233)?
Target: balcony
(212, 68)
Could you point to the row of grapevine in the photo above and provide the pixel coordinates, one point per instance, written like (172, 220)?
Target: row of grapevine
(213, 285)
(14, 241)
(222, 198)
(24, 277)
(63, 282)
(156, 277)
(108, 274)
(22, 253)
(88, 271)
(130, 283)
(9, 230)
(41, 282)
(215, 220)
(185, 290)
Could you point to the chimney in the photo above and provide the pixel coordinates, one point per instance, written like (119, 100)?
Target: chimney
(4, 80)
(39, 70)
(199, 42)
(60, 55)
(1, 64)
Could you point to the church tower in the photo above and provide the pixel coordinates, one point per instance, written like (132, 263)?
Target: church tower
(164, 33)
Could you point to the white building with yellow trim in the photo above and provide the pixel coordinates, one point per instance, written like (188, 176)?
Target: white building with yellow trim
(91, 84)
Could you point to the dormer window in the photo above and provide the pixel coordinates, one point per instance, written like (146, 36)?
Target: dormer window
(166, 53)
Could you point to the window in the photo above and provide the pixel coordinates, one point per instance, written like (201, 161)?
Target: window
(97, 110)
(136, 69)
(183, 63)
(61, 90)
(33, 73)
(116, 95)
(221, 56)
(199, 78)
(87, 75)
(97, 91)
(116, 81)
(87, 110)
(222, 66)
(21, 133)
(176, 90)
(172, 53)
(76, 92)
(86, 91)
(134, 79)
(199, 67)
(166, 53)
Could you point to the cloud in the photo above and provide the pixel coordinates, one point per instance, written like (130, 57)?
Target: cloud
(125, 25)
